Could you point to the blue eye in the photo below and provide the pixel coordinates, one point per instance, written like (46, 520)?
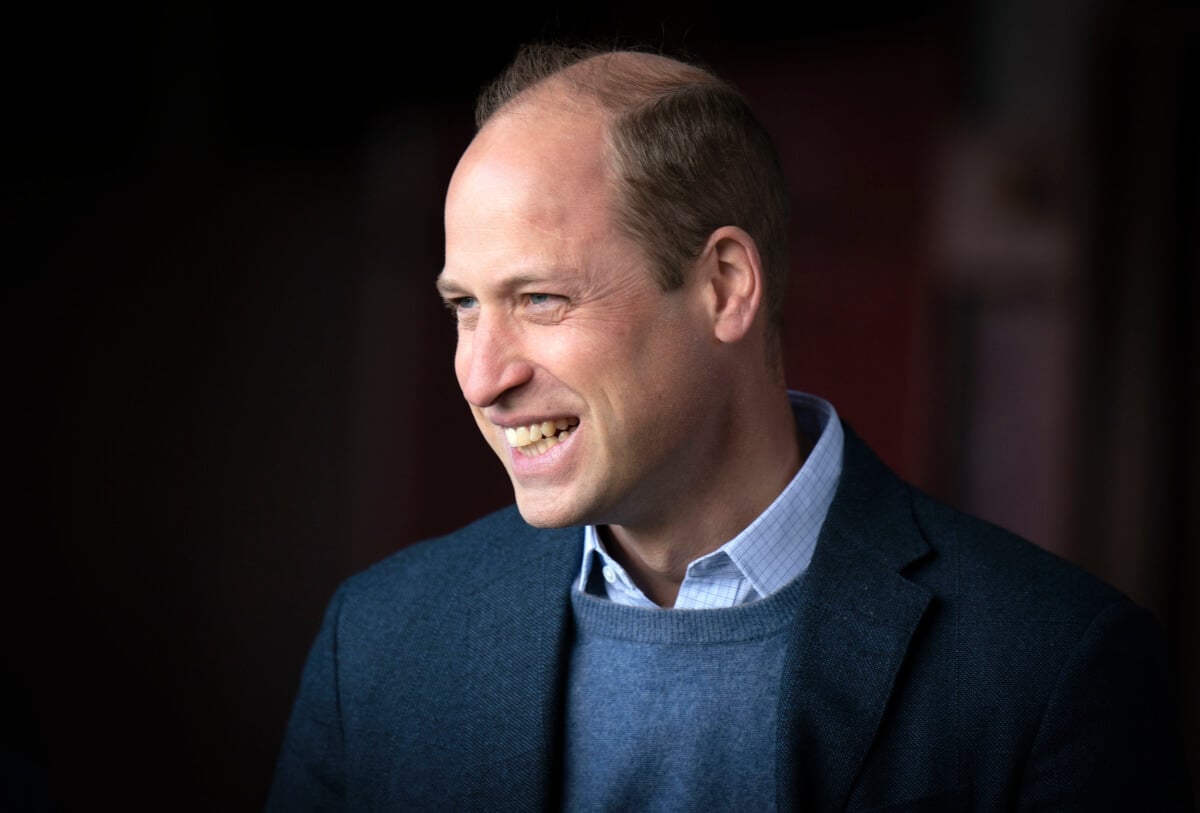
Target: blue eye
(539, 299)
(462, 308)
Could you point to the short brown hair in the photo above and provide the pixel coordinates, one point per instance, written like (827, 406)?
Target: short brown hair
(689, 156)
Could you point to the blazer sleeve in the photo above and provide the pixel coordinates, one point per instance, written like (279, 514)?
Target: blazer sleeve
(1108, 737)
(309, 773)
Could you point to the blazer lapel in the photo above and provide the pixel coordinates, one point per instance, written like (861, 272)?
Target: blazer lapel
(854, 628)
(516, 643)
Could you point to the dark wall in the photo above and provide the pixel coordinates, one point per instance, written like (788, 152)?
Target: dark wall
(231, 374)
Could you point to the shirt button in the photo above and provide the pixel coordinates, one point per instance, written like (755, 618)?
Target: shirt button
(610, 575)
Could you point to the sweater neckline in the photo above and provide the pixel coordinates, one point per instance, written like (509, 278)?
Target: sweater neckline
(599, 617)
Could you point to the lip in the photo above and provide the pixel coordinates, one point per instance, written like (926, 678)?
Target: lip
(524, 467)
(516, 422)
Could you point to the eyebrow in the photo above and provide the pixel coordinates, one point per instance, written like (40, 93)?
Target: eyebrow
(447, 288)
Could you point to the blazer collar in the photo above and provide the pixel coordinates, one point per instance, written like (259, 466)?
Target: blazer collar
(855, 625)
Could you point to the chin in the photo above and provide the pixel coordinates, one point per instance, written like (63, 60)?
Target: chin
(543, 519)
(540, 515)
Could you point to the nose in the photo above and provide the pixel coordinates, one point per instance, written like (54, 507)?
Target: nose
(490, 360)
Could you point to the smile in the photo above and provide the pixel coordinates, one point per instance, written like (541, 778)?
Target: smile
(539, 438)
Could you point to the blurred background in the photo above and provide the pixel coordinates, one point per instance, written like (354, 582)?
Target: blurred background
(230, 374)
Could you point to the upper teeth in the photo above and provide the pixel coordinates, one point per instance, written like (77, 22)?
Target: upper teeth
(555, 430)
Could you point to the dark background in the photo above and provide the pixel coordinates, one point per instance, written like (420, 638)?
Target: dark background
(231, 379)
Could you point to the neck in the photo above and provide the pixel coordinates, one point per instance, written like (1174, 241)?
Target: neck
(745, 475)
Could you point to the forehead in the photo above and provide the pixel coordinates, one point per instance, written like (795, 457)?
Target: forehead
(535, 182)
(550, 146)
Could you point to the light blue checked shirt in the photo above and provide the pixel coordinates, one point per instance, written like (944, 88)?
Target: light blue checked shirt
(771, 551)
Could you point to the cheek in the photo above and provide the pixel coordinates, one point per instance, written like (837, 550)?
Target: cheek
(679, 371)
(484, 425)
(562, 352)
(587, 343)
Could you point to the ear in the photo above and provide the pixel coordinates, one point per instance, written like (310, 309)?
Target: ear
(733, 276)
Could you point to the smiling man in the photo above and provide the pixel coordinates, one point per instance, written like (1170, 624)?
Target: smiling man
(710, 594)
(676, 431)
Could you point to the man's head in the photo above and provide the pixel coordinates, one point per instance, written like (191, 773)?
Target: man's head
(687, 153)
(611, 390)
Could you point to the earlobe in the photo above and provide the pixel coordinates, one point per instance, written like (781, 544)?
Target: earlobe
(736, 276)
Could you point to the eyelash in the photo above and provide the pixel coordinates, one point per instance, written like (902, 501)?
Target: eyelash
(459, 303)
(461, 306)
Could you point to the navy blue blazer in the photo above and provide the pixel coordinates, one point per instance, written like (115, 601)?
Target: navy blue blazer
(938, 663)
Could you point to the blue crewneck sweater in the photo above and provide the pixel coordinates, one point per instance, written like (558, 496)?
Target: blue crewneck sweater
(675, 709)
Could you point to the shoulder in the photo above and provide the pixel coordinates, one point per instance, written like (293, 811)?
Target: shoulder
(455, 567)
(1046, 681)
(956, 556)
(1054, 657)
(995, 567)
(1030, 624)
(450, 557)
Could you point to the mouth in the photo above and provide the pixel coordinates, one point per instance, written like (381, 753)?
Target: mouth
(539, 438)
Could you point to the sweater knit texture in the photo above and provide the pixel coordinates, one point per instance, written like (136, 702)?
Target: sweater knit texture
(675, 709)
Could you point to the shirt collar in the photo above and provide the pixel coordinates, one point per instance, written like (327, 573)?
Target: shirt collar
(772, 550)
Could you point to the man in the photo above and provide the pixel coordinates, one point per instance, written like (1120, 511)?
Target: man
(615, 255)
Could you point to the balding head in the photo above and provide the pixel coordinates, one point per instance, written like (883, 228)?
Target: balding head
(687, 154)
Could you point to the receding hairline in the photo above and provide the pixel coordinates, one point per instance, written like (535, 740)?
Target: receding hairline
(635, 70)
(609, 82)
